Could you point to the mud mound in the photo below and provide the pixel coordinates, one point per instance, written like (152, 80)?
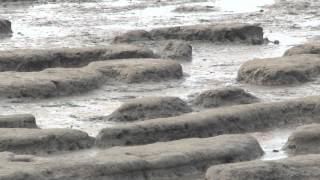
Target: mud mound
(305, 140)
(149, 108)
(36, 60)
(301, 167)
(223, 97)
(213, 122)
(5, 27)
(43, 141)
(195, 8)
(177, 50)
(309, 48)
(67, 81)
(280, 71)
(244, 33)
(170, 160)
(18, 121)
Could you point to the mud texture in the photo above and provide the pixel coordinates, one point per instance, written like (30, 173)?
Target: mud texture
(43, 141)
(18, 121)
(149, 108)
(194, 8)
(306, 167)
(225, 120)
(287, 70)
(5, 27)
(26, 60)
(67, 81)
(223, 97)
(177, 50)
(170, 160)
(305, 140)
(308, 48)
(241, 33)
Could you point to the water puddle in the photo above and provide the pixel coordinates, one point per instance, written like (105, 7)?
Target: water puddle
(243, 6)
(272, 143)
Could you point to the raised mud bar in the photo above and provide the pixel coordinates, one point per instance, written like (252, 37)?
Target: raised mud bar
(305, 140)
(18, 121)
(194, 8)
(308, 48)
(5, 27)
(36, 60)
(306, 167)
(227, 96)
(245, 33)
(66, 81)
(233, 119)
(174, 49)
(188, 158)
(43, 141)
(280, 71)
(149, 108)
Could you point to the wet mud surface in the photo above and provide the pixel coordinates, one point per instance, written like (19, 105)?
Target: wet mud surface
(81, 24)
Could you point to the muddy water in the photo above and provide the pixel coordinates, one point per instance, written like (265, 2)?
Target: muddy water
(272, 143)
(78, 24)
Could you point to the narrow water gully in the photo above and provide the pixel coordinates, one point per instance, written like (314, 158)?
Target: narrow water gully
(272, 143)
